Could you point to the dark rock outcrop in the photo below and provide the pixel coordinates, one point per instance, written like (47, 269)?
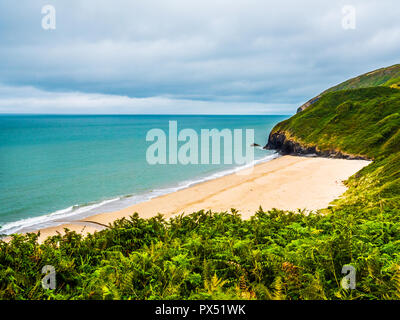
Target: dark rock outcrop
(280, 142)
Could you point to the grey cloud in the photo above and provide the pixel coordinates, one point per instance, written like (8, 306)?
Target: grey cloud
(259, 52)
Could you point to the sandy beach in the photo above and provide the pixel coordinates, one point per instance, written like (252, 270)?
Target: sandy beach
(288, 183)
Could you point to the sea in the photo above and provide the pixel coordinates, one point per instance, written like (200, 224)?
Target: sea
(59, 168)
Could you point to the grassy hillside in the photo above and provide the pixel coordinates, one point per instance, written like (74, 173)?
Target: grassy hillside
(384, 77)
(274, 255)
(387, 77)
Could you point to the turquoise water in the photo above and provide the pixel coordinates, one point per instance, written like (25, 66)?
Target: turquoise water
(56, 168)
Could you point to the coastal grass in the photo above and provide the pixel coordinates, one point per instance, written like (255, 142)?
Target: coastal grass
(387, 77)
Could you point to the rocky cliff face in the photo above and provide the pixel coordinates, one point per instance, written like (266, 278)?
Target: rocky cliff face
(280, 142)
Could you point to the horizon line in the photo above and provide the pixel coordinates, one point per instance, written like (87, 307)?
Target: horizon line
(141, 114)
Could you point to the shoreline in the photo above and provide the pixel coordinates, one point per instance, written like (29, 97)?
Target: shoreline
(80, 212)
(287, 183)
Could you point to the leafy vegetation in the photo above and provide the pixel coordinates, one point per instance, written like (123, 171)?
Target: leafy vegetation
(274, 255)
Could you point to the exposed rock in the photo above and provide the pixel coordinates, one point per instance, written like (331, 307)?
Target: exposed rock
(255, 145)
(278, 141)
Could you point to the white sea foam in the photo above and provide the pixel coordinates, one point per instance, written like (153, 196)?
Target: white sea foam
(81, 211)
(51, 218)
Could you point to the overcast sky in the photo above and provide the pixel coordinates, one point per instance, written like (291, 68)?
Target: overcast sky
(186, 56)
